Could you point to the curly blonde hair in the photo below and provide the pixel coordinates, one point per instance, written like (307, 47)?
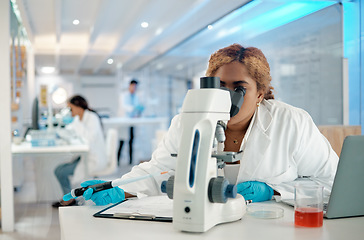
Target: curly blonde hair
(254, 60)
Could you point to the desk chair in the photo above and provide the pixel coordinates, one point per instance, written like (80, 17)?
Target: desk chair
(111, 153)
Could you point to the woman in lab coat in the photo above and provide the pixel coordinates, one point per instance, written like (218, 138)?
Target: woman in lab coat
(88, 126)
(281, 144)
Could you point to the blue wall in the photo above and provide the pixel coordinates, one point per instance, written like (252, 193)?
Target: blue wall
(354, 52)
(362, 66)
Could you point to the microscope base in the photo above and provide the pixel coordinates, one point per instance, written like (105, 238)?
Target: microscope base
(232, 210)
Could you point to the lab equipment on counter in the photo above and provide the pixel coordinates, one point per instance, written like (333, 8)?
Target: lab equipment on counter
(42, 138)
(264, 211)
(308, 207)
(201, 199)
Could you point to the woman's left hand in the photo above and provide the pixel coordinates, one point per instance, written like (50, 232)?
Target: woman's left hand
(255, 191)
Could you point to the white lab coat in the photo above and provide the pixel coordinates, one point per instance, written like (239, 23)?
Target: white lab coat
(90, 130)
(127, 105)
(283, 147)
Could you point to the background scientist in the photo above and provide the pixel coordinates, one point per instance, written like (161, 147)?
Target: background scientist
(88, 126)
(131, 108)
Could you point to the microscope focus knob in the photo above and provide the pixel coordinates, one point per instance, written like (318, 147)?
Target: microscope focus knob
(167, 187)
(219, 190)
(231, 191)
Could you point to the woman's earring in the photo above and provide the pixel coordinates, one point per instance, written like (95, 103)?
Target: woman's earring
(258, 104)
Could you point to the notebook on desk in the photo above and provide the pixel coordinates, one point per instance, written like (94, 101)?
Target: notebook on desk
(347, 194)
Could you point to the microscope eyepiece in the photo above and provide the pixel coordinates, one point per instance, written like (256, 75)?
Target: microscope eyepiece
(209, 82)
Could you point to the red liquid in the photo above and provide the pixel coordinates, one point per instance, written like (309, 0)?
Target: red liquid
(308, 217)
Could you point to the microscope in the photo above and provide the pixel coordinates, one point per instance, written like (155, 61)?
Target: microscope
(201, 198)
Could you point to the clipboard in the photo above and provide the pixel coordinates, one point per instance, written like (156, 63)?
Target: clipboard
(145, 209)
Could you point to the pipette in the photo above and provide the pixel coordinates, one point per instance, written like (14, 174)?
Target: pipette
(110, 184)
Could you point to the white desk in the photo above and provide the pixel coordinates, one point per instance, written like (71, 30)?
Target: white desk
(145, 136)
(26, 148)
(78, 223)
(46, 160)
(117, 122)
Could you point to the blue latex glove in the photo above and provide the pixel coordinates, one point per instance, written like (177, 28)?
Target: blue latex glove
(67, 197)
(255, 191)
(112, 195)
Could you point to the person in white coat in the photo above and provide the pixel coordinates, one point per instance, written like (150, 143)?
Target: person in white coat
(281, 144)
(88, 126)
(130, 108)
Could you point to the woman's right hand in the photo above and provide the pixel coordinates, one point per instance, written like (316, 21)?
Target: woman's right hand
(112, 195)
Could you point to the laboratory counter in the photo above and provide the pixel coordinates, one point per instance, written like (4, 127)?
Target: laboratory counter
(117, 122)
(45, 159)
(79, 223)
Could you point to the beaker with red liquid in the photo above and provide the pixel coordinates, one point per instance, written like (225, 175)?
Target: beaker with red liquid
(308, 205)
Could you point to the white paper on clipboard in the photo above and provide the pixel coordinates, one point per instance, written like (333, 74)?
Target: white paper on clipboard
(160, 206)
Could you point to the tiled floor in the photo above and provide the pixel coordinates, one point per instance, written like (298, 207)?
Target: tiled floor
(36, 220)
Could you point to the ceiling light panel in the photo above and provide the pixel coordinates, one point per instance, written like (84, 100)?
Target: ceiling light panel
(144, 24)
(76, 22)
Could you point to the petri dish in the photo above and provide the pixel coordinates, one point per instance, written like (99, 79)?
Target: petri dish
(265, 212)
